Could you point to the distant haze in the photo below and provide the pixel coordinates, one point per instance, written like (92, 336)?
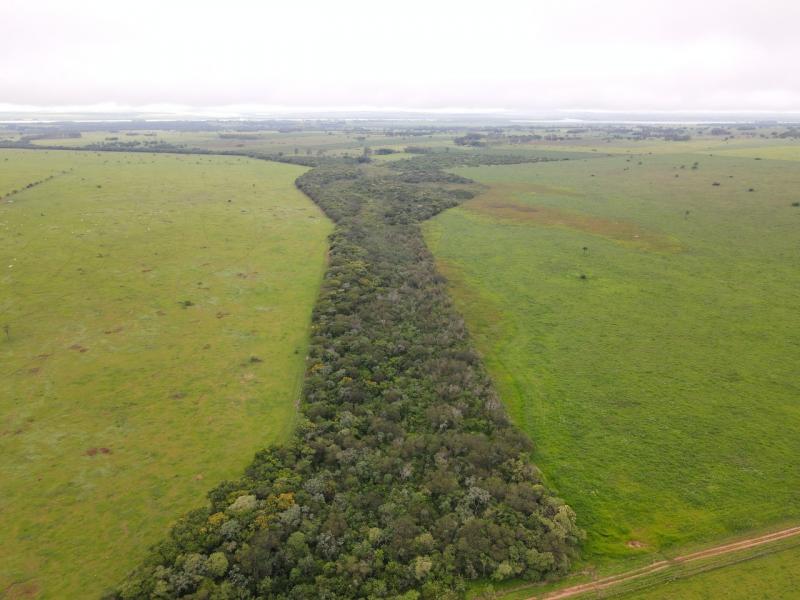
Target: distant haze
(432, 55)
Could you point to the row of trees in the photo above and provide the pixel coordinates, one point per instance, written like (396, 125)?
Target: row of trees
(404, 478)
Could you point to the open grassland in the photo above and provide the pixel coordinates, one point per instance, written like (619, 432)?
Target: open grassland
(155, 311)
(757, 567)
(301, 143)
(642, 325)
(765, 578)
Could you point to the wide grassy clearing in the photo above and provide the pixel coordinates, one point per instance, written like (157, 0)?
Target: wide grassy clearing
(660, 390)
(155, 312)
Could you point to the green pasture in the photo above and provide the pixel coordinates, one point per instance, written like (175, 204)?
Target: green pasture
(766, 578)
(153, 321)
(642, 325)
(302, 143)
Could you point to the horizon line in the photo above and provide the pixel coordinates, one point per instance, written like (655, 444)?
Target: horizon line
(236, 110)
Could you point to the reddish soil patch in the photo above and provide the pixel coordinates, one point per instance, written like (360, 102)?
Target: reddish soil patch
(498, 202)
(18, 591)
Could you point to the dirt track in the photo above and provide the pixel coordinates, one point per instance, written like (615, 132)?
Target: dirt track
(607, 582)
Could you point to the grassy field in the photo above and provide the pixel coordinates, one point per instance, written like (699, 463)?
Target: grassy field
(766, 578)
(762, 571)
(642, 325)
(297, 142)
(154, 312)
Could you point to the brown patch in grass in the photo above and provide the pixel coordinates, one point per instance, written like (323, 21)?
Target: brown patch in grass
(635, 544)
(540, 188)
(498, 202)
(19, 591)
(78, 348)
(96, 451)
(115, 330)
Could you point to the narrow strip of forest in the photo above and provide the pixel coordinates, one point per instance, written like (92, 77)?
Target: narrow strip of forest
(404, 477)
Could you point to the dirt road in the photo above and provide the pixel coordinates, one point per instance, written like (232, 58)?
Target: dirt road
(660, 565)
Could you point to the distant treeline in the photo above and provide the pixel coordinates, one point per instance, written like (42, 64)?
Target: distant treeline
(404, 478)
(479, 139)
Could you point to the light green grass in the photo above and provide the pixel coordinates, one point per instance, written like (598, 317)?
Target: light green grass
(660, 392)
(767, 571)
(765, 578)
(100, 354)
(776, 152)
(299, 143)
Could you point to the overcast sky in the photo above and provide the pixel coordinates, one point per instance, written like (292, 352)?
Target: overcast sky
(417, 54)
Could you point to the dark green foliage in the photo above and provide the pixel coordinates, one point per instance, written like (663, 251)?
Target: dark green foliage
(446, 160)
(404, 473)
(470, 139)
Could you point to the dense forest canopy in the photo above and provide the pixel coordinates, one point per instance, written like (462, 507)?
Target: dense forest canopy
(404, 477)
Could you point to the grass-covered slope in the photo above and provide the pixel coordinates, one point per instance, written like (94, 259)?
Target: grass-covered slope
(155, 312)
(641, 324)
(405, 476)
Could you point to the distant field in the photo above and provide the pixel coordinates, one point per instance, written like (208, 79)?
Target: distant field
(154, 313)
(298, 142)
(642, 325)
